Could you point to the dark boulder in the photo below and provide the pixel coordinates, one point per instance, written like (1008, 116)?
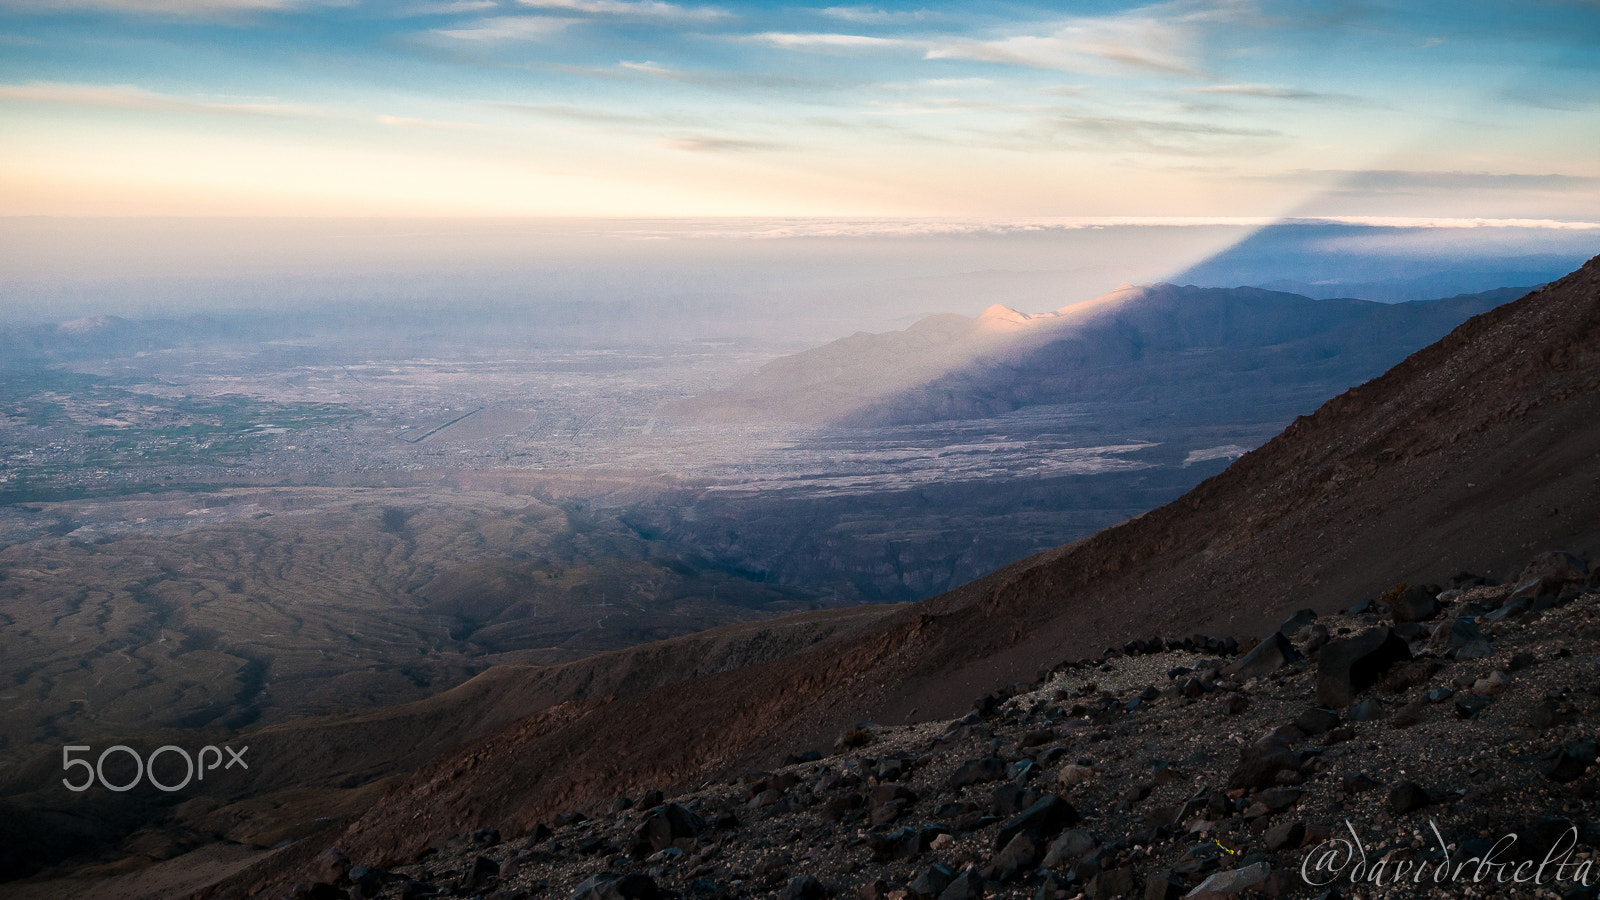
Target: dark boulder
(1299, 620)
(932, 882)
(1268, 656)
(1044, 819)
(664, 825)
(1117, 882)
(1416, 604)
(610, 886)
(1351, 665)
(1316, 721)
(966, 886)
(990, 768)
(1260, 763)
(1570, 762)
(1018, 858)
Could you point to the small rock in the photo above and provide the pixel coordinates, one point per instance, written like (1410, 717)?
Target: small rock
(1268, 656)
(1367, 711)
(1316, 721)
(1073, 774)
(1409, 715)
(1408, 796)
(1496, 683)
(1279, 799)
(1233, 881)
(1285, 835)
(1357, 782)
(1067, 849)
(804, 887)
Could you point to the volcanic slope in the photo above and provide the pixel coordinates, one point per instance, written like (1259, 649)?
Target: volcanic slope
(1470, 454)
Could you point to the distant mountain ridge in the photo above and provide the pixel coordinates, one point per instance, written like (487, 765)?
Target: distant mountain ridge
(1158, 342)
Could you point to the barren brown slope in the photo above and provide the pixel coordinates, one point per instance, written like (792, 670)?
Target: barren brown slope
(1468, 454)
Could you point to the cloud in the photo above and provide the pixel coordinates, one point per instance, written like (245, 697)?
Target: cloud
(428, 124)
(649, 68)
(127, 96)
(447, 7)
(508, 28)
(757, 229)
(824, 41)
(1272, 92)
(1164, 38)
(868, 15)
(1404, 181)
(182, 9)
(1147, 134)
(709, 144)
(637, 9)
(1553, 99)
(591, 116)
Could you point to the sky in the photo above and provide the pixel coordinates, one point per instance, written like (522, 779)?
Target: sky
(651, 108)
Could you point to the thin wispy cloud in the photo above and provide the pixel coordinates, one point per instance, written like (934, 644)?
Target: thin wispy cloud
(429, 124)
(707, 144)
(825, 41)
(1272, 92)
(649, 68)
(1084, 50)
(594, 115)
(1165, 39)
(636, 9)
(131, 97)
(772, 230)
(1405, 181)
(446, 8)
(1163, 136)
(167, 9)
(508, 28)
(868, 15)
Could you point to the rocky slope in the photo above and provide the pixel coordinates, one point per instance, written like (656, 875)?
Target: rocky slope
(1159, 770)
